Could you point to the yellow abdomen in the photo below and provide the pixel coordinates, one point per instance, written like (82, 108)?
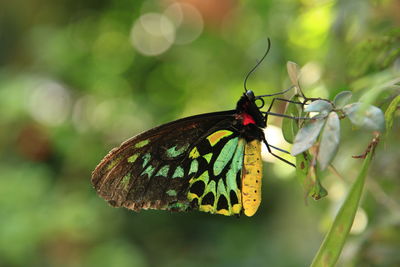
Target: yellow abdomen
(251, 177)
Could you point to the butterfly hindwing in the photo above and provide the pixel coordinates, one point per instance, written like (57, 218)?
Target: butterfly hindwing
(216, 186)
(193, 163)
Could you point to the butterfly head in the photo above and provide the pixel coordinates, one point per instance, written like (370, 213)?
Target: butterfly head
(248, 110)
(250, 95)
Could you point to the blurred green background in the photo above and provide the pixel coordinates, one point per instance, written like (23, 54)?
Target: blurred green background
(79, 77)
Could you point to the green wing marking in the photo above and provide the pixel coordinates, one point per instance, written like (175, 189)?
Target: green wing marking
(216, 186)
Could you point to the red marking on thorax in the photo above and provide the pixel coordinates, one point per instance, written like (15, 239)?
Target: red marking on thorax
(247, 119)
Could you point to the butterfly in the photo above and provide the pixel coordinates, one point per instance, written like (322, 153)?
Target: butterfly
(209, 162)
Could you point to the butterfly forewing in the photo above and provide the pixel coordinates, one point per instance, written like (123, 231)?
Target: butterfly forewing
(193, 163)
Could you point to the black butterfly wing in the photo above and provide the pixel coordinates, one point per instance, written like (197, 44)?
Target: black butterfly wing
(155, 169)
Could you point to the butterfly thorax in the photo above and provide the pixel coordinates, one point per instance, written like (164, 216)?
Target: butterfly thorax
(250, 118)
(248, 111)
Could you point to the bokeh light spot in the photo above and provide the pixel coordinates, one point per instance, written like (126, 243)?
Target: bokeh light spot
(310, 74)
(81, 113)
(152, 34)
(360, 222)
(274, 136)
(337, 191)
(49, 103)
(187, 20)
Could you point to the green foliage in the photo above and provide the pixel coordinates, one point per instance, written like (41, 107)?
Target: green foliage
(327, 124)
(375, 54)
(390, 113)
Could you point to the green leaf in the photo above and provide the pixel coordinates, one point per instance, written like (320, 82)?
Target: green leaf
(307, 136)
(342, 98)
(378, 84)
(329, 140)
(302, 166)
(390, 111)
(290, 126)
(319, 106)
(317, 191)
(334, 241)
(365, 116)
(302, 170)
(307, 176)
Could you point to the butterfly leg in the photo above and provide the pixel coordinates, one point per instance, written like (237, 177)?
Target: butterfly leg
(276, 156)
(284, 100)
(268, 112)
(280, 149)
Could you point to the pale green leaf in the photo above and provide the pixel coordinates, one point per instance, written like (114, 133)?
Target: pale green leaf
(319, 106)
(307, 136)
(365, 116)
(329, 140)
(342, 98)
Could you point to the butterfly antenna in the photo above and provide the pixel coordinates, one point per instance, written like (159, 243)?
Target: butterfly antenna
(280, 93)
(256, 66)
